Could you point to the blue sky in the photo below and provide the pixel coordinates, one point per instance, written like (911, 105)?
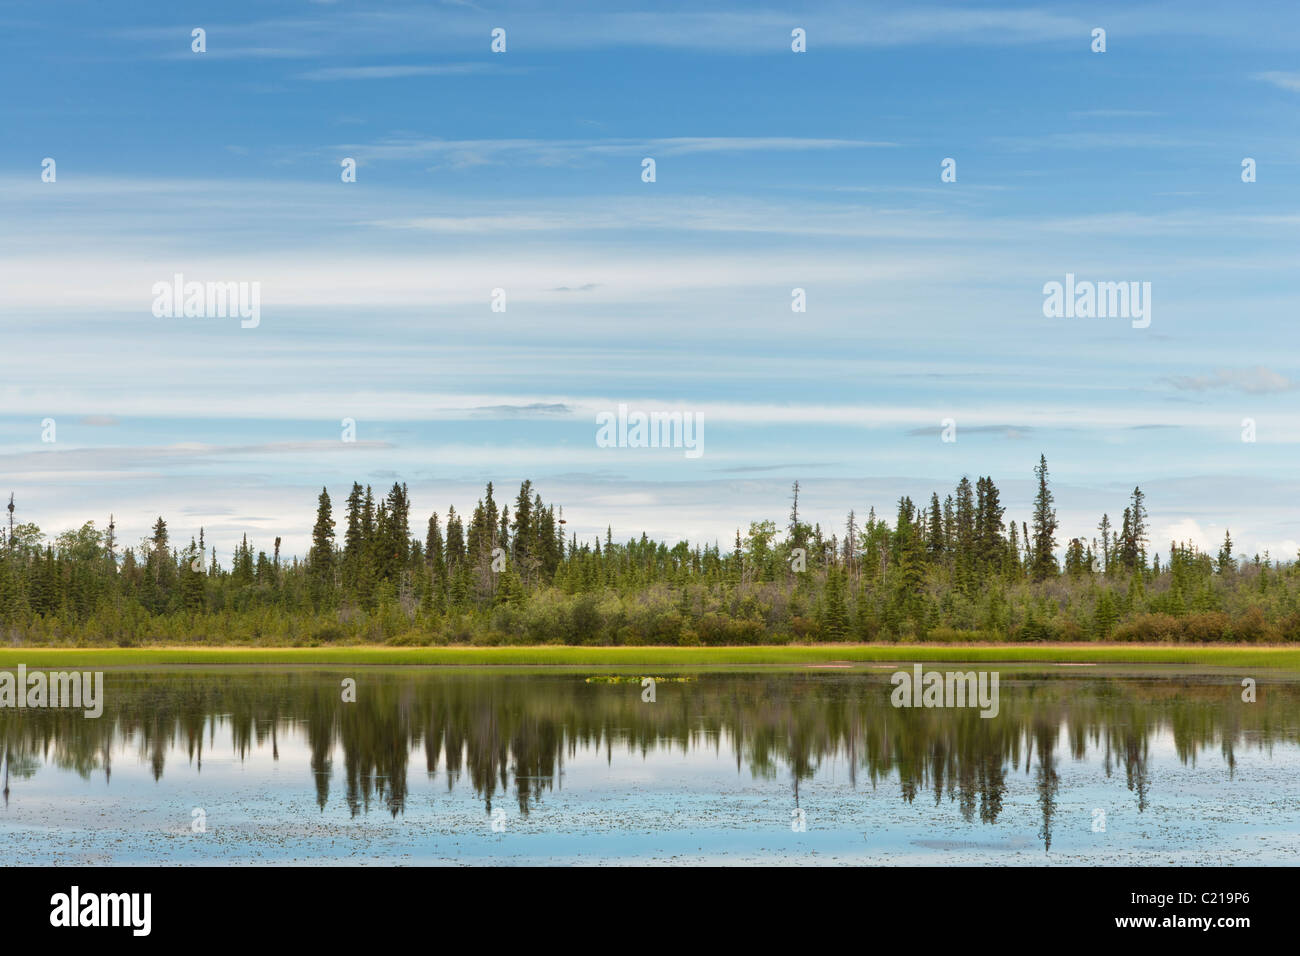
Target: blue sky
(775, 170)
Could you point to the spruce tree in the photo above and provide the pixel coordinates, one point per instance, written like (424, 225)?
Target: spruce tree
(796, 531)
(321, 557)
(934, 530)
(434, 555)
(1138, 530)
(352, 536)
(989, 543)
(835, 615)
(455, 541)
(523, 532)
(1104, 528)
(964, 532)
(1043, 556)
(1227, 563)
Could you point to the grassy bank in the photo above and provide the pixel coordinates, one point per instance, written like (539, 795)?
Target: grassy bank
(553, 655)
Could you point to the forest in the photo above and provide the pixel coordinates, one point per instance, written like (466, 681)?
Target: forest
(954, 569)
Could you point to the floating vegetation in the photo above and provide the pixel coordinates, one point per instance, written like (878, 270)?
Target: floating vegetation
(624, 679)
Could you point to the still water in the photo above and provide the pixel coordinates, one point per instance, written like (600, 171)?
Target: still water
(432, 766)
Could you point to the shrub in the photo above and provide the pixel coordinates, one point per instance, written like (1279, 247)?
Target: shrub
(746, 631)
(1068, 631)
(585, 622)
(1253, 628)
(1206, 627)
(1150, 629)
(1289, 627)
(328, 634)
(1032, 629)
(950, 635)
(805, 628)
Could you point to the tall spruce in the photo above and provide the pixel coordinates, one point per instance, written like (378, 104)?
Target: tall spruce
(1043, 555)
(321, 557)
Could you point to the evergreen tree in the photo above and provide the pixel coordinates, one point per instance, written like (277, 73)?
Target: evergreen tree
(455, 541)
(321, 557)
(523, 532)
(1076, 559)
(1227, 563)
(353, 540)
(989, 544)
(1104, 528)
(1043, 554)
(434, 555)
(796, 532)
(835, 615)
(909, 559)
(964, 530)
(191, 578)
(934, 530)
(958, 565)
(851, 544)
(1138, 531)
(397, 543)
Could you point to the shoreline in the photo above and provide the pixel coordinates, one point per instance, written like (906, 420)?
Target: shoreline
(816, 656)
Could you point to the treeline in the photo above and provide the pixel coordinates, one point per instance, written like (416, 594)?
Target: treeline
(943, 570)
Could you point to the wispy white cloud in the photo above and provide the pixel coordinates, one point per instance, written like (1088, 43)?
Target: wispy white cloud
(1087, 140)
(1281, 79)
(716, 28)
(1257, 380)
(1114, 114)
(568, 151)
(82, 216)
(405, 405)
(218, 52)
(397, 71)
(80, 461)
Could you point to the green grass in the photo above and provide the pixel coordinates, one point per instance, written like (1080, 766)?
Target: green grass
(680, 657)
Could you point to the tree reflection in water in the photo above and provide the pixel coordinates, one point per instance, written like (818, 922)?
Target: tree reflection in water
(503, 730)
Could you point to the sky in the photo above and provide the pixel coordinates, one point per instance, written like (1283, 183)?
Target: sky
(518, 176)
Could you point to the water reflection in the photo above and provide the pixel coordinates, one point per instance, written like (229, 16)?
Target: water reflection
(512, 732)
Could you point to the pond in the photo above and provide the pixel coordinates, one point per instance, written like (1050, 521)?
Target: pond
(549, 766)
